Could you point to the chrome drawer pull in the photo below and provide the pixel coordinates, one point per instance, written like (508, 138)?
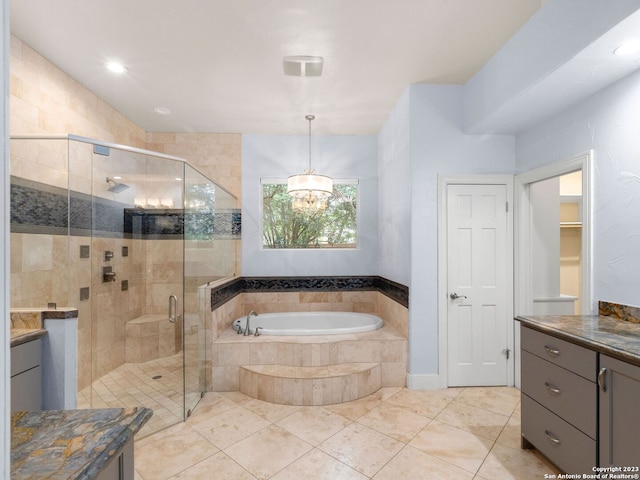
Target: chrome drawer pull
(552, 351)
(553, 440)
(551, 389)
(602, 379)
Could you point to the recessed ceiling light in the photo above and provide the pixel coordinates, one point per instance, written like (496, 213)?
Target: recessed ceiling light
(116, 67)
(178, 179)
(628, 48)
(162, 110)
(117, 177)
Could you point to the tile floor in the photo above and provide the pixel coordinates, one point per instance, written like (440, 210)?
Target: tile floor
(394, 434)
(133, 384)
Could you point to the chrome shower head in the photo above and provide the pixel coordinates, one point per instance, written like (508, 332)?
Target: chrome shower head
(116, 187)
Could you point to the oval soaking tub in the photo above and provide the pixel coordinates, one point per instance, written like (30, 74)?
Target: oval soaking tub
(310, 323)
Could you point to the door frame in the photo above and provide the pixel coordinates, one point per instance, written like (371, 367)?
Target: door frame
(523, 260)
(443, 304)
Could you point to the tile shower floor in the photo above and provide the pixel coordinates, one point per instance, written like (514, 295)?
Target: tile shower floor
(156, 384)
(458, 433)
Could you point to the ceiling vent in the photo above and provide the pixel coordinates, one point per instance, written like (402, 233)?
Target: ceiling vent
(302, 66)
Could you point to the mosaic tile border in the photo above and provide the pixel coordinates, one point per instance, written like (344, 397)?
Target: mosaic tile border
(626, 313)
(39, 208)
(222, 294)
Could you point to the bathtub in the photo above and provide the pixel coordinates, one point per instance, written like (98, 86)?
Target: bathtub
(310, 323)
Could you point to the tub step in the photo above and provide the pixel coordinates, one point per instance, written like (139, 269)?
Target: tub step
(324, 385)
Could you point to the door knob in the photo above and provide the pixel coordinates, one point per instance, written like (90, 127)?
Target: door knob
(455, 296)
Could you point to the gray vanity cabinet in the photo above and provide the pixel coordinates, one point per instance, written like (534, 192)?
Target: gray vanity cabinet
(619, 413)
(121, 467)
(559, 400)
(26, 376)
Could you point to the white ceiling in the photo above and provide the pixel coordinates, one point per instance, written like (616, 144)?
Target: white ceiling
(217, 65)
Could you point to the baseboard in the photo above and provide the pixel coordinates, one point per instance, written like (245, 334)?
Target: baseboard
(423, 382)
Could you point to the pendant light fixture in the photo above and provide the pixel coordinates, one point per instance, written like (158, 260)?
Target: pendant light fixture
(309, 191)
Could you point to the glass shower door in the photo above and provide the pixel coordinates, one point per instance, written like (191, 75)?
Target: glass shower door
(199, 203)
(137, 289)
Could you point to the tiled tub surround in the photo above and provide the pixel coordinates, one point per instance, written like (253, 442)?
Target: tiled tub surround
(387, 299)
(303, 366)
(310, 370)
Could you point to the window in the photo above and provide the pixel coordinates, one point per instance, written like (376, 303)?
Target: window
(336, 227)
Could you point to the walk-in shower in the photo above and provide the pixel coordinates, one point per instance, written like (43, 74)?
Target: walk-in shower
(127, 237)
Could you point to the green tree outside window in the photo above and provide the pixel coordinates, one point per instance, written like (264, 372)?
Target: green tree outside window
(336, 227)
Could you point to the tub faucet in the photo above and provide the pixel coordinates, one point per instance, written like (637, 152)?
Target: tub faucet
(247, 330)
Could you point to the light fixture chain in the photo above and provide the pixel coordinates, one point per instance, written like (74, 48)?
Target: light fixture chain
(310, 118)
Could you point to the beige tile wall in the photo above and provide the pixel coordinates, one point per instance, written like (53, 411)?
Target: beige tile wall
(216, 155)
(45, 100)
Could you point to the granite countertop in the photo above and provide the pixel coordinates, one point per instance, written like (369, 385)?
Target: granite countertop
(24, 335)
(70, 444)
(611, 336)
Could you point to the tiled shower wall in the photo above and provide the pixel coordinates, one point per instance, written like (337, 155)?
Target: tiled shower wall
(41, 276)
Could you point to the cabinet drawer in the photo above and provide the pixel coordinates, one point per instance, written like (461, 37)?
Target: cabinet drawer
(566, 394)
(565, 354)
(560, 442)
(25, 356)
(26, 390)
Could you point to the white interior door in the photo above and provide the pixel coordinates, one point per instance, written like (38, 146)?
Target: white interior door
(477, 273)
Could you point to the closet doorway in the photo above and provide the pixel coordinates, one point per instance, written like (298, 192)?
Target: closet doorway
(575, 216)
(556, 244)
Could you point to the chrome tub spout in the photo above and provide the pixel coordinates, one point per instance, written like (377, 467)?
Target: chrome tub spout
(247, 329)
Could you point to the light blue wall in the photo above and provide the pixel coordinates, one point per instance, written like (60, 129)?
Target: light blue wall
(278, 156)
(425, 136)
(609, 123)
(394, 194)
(439, 146)
(545, 66)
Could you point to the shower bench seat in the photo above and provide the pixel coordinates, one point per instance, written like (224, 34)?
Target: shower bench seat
(149, 337)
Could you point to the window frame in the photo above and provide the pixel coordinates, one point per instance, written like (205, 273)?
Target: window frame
(283, 181)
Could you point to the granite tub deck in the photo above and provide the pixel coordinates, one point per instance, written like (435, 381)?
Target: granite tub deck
(310, 369)
(71, 444)
(611, 336)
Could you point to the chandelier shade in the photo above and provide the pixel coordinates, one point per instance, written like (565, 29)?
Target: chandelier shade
(309, 191)
(300, 185)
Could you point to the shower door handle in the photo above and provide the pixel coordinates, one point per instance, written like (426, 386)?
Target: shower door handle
(173, 308)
